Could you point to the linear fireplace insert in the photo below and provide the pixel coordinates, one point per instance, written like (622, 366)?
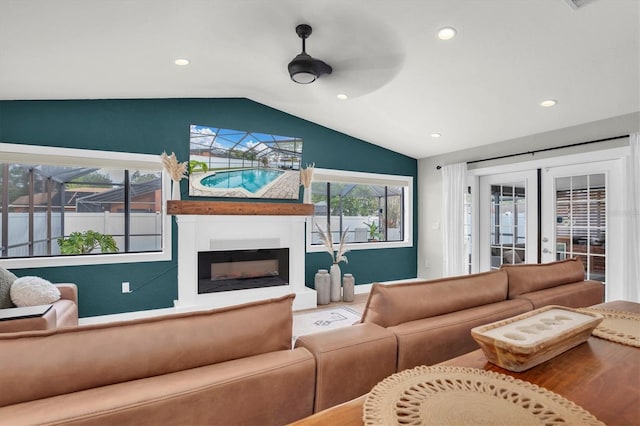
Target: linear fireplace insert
(228, 270)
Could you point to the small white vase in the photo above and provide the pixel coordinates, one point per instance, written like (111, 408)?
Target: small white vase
(306, 195)
(336, 278)
(175, 190)
(322, 284)
(348, 287)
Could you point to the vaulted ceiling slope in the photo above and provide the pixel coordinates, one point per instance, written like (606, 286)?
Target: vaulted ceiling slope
(403, 83)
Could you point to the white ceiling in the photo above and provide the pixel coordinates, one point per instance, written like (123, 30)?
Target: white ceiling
(403, 83)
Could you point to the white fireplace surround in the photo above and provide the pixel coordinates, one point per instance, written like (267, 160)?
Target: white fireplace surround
(198, 233)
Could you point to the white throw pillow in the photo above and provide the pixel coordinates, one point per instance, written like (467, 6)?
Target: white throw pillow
(32, 291)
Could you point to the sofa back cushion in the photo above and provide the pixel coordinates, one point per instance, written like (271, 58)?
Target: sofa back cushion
(42, 364)
(390, 305)
(525, 278)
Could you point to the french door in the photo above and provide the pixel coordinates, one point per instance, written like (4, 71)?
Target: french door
(508, 219)
(580, 216)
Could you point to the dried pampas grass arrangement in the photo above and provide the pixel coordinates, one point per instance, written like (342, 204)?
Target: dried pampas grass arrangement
(175, 169)
(306, 175)
(339, 255)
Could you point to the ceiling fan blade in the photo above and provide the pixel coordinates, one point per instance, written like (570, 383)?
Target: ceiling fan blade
(359, 76)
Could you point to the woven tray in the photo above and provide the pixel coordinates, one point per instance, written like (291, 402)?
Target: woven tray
(441, 395)
(526, 340)
(617, 326)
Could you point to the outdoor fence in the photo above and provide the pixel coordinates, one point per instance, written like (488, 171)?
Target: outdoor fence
(229, 163)
(357, 231)
(145, 231)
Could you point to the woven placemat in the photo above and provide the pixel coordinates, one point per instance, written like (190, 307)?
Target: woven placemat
(441, 395)
(617, 326)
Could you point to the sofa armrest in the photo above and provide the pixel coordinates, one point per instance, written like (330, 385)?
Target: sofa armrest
(68, 291)
(349, 361)
(64, 313)
(45, 322)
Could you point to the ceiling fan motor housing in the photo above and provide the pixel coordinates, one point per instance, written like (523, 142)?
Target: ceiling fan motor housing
(303, 68)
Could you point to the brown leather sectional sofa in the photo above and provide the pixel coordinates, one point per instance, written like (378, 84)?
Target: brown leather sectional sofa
(430, 322)
(236, 365)
(225, 366)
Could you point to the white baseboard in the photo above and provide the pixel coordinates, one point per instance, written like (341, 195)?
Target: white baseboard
(306, 299)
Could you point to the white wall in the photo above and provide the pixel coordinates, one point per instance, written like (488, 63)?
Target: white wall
(430, 179)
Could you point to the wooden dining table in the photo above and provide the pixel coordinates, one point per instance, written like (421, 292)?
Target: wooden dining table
(600, 376)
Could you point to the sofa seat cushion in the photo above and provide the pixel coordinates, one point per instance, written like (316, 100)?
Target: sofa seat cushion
(390, 305)
(273, 388)
(72, 359)
(432, 340)
(575, 295)
(525, 278)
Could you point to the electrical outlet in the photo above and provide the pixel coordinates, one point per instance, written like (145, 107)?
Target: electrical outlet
(125, 287)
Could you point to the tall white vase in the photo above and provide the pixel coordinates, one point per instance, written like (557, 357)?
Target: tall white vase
(336, 278)
(175, 190)
(306, 195)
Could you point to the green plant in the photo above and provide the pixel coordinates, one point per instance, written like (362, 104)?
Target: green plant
(374, 230)
(198, 166)
(86, 242)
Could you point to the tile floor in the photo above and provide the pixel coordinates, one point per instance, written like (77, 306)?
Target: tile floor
(358, 304)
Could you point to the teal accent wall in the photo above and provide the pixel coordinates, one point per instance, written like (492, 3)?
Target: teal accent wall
(151, 126)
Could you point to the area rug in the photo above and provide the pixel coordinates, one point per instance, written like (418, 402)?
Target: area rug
(324, 319)
(441, 395)
(617, 326)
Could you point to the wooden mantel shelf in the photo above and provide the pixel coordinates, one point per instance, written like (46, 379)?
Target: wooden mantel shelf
(177, 207)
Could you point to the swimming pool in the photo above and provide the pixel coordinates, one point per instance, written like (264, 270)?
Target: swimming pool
(252, 179)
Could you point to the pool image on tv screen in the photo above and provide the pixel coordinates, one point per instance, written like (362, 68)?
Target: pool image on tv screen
(243, 164)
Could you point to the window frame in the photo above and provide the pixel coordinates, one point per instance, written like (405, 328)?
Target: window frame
(38, 154)
(346, 176)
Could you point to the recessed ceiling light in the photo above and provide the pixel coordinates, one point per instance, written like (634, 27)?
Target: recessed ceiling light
(435, 135)
(446, 33)
(182, 62)
(342, 96)
(548, 103)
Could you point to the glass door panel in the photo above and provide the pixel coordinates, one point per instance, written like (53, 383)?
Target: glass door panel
(507, 214)
(468, 231)
(508, 224)
(581, 221)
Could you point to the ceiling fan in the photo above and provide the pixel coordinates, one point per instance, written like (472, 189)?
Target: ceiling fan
(362, 60)
(304, 69)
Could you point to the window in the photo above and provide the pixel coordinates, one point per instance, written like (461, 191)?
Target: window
(48, 196)
(374, 211)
